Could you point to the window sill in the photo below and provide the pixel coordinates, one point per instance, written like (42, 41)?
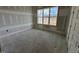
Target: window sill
(47, 25)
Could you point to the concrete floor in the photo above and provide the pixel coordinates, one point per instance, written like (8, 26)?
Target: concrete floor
(34, 41)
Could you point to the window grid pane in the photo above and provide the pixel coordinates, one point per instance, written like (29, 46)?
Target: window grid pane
(46, 20)
(40, 13)
(53, 20)
(53, 11)
(46, 12)
(39, 20)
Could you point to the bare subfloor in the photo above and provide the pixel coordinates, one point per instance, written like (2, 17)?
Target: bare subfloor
(34, 41)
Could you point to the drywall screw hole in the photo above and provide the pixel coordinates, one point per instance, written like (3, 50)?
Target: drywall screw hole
(78, 46)
(6, 30)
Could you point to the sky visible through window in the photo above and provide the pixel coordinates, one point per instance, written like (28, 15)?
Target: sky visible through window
(53, 11)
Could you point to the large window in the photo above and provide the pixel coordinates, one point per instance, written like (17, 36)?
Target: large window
(47, 16)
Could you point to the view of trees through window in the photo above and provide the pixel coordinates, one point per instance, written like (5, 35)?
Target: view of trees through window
(47, 16)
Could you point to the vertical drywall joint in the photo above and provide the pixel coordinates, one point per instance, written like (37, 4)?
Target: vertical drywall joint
(10, 19)
(3, 18)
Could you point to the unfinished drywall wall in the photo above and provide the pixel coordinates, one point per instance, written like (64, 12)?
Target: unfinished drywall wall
(73, 31)
(63, 18)
(14, 19)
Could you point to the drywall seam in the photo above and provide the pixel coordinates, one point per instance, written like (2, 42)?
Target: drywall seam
(3, 20)
(15, 12)
(10, 19)
(10, 27)
(15, 32)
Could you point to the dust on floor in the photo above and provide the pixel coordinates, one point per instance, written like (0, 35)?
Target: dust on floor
(33, 40)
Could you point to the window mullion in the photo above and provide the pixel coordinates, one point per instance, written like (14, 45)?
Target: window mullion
(43, 17)
(49, 17)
